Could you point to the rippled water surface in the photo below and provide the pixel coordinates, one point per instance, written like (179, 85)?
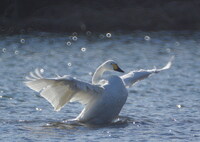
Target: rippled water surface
(164, 107)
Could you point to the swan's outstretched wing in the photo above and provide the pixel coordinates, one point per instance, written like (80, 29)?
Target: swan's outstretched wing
(61, 90)
(134, 76)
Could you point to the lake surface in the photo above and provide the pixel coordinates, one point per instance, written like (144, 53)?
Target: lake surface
(164, 107)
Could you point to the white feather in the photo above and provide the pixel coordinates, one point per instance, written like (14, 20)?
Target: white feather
(135, 76)
(59, 91)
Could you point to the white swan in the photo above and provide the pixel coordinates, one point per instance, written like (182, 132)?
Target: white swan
(103, 99)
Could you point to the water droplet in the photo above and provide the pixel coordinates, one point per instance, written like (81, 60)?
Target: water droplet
(101, 36)
(41, 70)
(74, 34)
(1, 91)
(69, 64)
(22, 40)
(168, 50)
(83, 49)
(38, 109)
(4, 50)
(177, 43)
(179, 106)
(74, 38)
(88, 33)
(108, 35)
(1, 96)
(47, 124)
(147, 38)
(83, 27)
(16, 52)
(68, 43)
(21, 120)
(90, 73)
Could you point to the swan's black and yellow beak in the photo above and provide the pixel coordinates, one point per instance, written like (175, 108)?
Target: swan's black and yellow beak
(116, 68)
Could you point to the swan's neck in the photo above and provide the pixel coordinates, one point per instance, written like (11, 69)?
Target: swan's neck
(98, 74)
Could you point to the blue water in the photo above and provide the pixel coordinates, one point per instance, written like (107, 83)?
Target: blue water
(164, 107)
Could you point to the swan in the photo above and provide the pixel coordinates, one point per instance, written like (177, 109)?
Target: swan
(103, 99)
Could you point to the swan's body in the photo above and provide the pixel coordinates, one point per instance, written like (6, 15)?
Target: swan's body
(103, 99)
(108, 105)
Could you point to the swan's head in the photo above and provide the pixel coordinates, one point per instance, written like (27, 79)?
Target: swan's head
(111, 65)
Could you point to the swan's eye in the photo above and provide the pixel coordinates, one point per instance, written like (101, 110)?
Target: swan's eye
(115, 67)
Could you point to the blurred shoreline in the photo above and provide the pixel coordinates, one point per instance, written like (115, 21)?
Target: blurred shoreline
(24, 16)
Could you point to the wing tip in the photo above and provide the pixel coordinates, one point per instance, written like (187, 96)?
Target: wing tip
(36, 74)
(32, 78)
(169, 64)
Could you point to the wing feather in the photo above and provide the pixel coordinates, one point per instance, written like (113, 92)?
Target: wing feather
(61, 90)
(134, 76)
